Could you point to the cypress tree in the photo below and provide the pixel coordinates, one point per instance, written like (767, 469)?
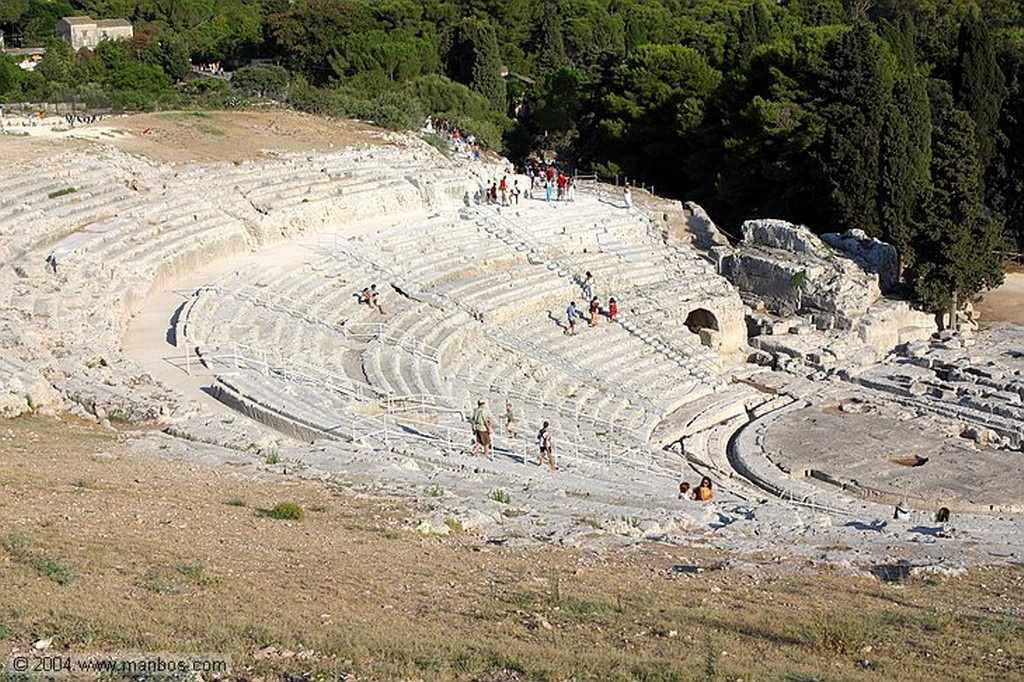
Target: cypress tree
(551, 53)
(487, 78)
(905, 146)
(474, 59)
(978, 85)
(1007, 170)
(860, 91)
(955, 248)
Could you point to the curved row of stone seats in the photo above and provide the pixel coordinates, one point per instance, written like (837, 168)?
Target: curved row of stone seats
(747, 456)
(409, 358)
(623, 362)
(504, 369)
(632, 295)
(434, 250)
(298, 313)
(41, 226)
(302, 411)
(478, 293)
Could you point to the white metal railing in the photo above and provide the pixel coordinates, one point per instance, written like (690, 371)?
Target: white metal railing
(389, 427)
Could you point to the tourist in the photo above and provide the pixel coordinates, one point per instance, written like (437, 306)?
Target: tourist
(515, 192)
(684, 490)
(627, 196)
(494, 193)
(375, 299)
(503, 188)
(510, 420)
(481, 429)
(587, 286)
(703, 492)
(547, 191)
(613, 309)
(546, 447)
(570, 316)
(595, 310)
(572, 189)
(364, 297)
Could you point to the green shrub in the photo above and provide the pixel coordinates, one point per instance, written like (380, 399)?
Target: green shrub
(287, 511)
(61, 192)
(499, 495)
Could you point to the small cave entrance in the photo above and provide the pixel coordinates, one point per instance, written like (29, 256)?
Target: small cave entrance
(703, 323)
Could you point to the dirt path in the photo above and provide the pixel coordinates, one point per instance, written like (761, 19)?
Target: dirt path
(183, 136)
(1005, 304)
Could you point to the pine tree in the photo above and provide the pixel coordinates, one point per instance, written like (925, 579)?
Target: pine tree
(978, 84)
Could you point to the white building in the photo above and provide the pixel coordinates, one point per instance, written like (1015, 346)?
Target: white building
(86, 32)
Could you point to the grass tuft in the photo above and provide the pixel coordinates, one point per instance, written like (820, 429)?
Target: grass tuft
(499, 495)
(237, 501)
(51, 568)
(287, 511)
(61, 192)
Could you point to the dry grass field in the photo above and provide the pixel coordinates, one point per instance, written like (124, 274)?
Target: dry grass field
(123, 542)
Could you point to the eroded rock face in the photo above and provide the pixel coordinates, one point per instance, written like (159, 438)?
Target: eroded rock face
(779, 234)
(790, 269)
(871, 254)
(706, 234)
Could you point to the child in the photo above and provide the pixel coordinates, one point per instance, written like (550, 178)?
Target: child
(613, 309)
(684, 490)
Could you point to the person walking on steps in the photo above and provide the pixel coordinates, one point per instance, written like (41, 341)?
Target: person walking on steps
(546, 447)
(481, 429)
(570, 317)
(510, 420)
(587, 286)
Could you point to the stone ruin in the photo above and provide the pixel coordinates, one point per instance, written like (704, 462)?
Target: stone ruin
(475, 298)
(819, 300)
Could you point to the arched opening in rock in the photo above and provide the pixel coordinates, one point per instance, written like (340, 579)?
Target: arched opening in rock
(704, 323)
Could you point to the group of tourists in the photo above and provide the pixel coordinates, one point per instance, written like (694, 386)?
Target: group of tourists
(369, 296)
(587, 288)
(483, 429)
(459, 141)
(702, 493)
(555, 183)
(500, 193)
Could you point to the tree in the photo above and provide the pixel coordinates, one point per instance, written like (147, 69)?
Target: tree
(1006, 186)
(11, 77)
(753, 27)
(860, 88)
(550, 43)
(957, 241)
(978, 84)
(905, 145)
(168, 51)
(264, 80)
(474, 59)
(651, 108)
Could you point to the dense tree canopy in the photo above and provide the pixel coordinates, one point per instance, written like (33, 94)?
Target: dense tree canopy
(835, 113)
